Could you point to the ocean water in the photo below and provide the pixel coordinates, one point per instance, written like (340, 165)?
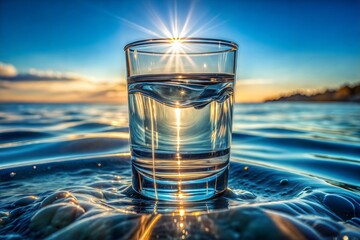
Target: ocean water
(65, 173)
(180, 134)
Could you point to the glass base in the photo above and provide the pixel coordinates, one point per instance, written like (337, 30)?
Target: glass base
(195, 190)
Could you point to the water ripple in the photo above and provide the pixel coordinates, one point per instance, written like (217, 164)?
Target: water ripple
(65, 173)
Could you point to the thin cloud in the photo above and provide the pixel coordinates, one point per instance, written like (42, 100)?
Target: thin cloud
(110, 92)
(9, 73)
(7, 70)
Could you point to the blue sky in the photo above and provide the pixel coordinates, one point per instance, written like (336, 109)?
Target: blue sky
(284, 45)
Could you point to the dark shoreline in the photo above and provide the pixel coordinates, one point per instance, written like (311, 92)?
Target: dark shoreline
(344, 93)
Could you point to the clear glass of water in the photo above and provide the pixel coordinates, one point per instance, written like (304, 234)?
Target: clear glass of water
(181, 94)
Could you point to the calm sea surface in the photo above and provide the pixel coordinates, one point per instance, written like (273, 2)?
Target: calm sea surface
(294, 174)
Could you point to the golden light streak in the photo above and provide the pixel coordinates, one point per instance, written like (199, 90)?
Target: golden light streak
(178, 122)
(152, 106)
(285, 226)
(149, 228)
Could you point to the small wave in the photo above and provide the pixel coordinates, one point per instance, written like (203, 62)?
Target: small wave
(19, 135)
(59, 148)
(311, 145)
(89, 126)
(94, 191)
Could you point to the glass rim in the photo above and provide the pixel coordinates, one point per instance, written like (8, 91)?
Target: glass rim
(206, 41)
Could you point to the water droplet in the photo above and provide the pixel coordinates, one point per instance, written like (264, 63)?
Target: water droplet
(284, 182)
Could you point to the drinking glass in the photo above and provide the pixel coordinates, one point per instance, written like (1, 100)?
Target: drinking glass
(181, 94)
